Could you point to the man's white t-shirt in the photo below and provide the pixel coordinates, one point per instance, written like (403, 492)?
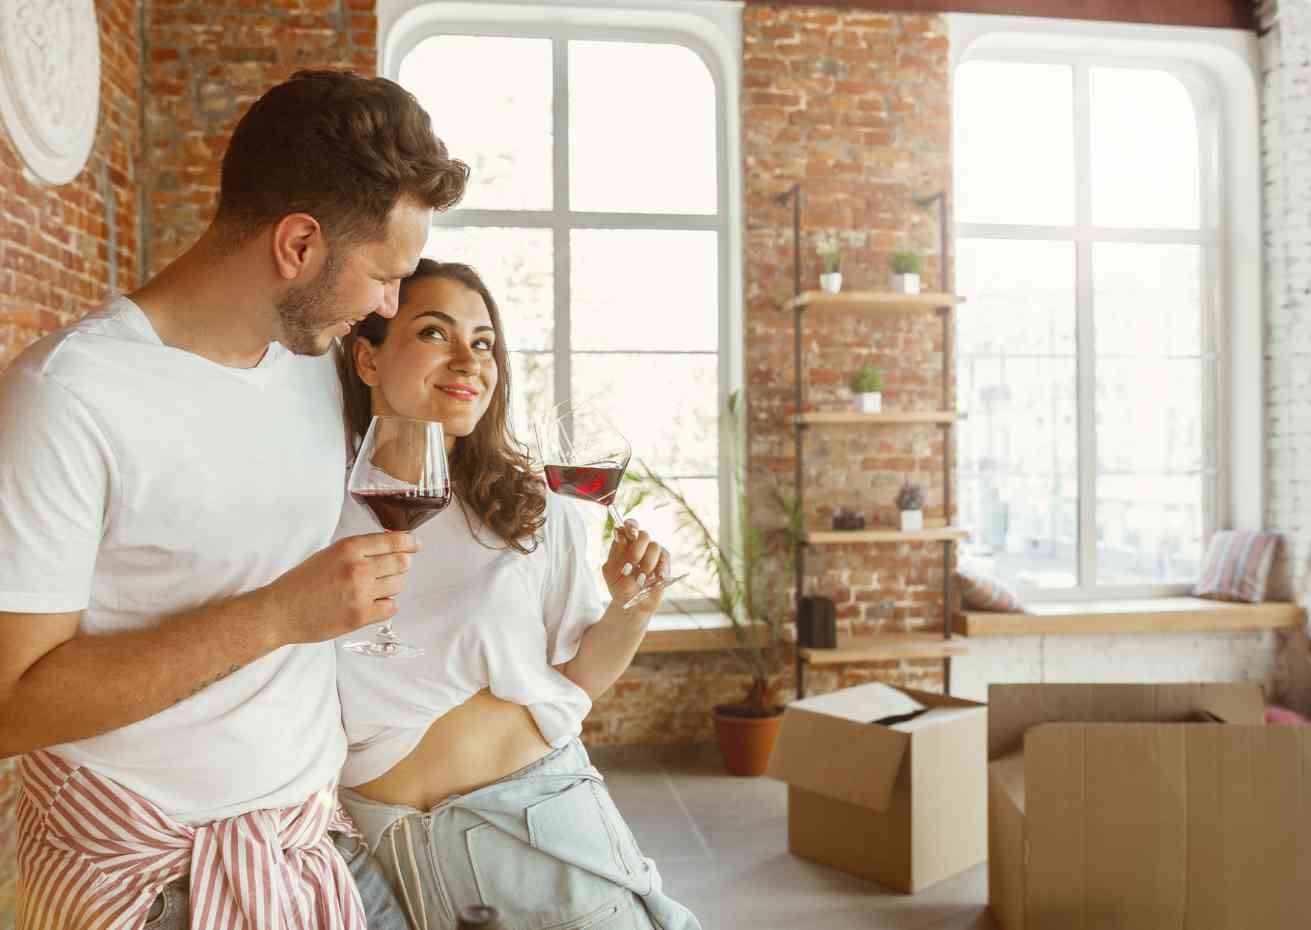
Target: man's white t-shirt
(139, 481)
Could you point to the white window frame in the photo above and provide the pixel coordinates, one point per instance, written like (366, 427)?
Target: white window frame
(1220, 72)
(711, 29)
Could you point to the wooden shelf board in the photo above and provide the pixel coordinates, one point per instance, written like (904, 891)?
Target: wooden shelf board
(888, 418)
(875, 301)
(884, 534)
(1142, 615)
(884, 647)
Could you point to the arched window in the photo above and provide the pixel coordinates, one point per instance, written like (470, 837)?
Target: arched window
(601, 211)
(1110, 302)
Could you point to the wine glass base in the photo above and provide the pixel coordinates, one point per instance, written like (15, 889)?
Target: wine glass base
(383, 649)
(651, 588)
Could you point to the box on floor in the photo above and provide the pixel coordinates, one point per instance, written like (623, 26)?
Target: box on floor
(901, 803)
(1132, 806)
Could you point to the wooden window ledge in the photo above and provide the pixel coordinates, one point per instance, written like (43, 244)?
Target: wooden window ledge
(698, 632)
(1145, 615)
(711, 632)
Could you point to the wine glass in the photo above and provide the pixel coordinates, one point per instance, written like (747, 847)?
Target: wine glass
(401, 476)
(584, 456)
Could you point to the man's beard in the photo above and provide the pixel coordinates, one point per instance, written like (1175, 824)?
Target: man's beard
(305, 311)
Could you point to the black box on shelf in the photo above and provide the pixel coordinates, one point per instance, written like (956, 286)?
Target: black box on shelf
(817, 623)
(848, 520)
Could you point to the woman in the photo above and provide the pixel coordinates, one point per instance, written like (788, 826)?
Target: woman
(465, 770)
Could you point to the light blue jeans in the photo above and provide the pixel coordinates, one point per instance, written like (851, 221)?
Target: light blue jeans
(545, 845)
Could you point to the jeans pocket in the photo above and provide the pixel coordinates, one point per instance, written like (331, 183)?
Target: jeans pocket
(169, 910)
(568, 875)
(158, 911)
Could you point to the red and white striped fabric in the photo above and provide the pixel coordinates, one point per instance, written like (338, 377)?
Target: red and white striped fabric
(93, 855)
(1237, 566)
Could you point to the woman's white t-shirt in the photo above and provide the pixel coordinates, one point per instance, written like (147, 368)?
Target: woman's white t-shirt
(487, 616)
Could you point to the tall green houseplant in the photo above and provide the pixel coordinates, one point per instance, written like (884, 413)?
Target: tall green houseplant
(735, 567)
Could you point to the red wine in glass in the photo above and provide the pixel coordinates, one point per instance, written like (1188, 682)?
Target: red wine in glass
(587, 459)
(402, 477)
(402, 511)
(598, 482)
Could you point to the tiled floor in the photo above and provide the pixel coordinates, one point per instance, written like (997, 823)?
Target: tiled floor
(721, 844)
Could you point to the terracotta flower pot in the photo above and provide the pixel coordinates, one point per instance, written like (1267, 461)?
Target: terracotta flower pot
(746, 742)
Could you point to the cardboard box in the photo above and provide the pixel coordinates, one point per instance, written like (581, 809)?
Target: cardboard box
(903, 804)
(1109, 810)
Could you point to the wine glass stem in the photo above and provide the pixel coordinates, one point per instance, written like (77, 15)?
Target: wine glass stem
(616, 516)
(384, 632)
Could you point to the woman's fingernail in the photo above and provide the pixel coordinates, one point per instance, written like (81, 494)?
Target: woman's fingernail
(641, 579)
(627, 569)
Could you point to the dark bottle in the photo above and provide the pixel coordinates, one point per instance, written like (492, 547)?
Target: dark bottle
(479, 917)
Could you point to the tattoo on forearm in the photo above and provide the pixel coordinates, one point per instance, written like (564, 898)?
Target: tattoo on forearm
(213, 681)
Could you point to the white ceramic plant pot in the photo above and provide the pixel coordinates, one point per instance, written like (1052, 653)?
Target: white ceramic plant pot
(831, 282)
(906, 283)
(912, 520)
(870, 402)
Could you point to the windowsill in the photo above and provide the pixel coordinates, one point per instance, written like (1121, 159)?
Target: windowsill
(1140, 615)
(689, 632)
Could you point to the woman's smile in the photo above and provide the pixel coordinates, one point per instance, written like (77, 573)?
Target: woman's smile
(462, 392)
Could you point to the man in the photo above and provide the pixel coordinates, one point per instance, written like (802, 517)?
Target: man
(171, 470)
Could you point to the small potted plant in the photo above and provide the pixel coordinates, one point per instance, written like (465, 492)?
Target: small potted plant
(831, 256)
(867, 386)
(906, 268)
(910, 501)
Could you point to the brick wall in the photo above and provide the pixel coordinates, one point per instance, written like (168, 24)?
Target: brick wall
(854, 105)
(1286, 162)
(207, 62)
(62, 249)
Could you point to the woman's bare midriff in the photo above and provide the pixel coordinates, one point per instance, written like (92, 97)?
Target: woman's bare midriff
(482, 740)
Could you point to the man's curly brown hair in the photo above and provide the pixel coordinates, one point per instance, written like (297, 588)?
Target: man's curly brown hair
(340, 147)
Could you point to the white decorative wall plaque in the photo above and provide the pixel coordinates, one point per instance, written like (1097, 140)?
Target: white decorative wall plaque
(50, 83)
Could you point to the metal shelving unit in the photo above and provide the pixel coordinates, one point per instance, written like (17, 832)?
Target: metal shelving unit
(880, 647)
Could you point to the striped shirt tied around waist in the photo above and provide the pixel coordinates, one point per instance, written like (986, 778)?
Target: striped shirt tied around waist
(94, 855)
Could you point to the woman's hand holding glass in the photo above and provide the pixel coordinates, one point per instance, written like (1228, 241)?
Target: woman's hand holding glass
(634, 560)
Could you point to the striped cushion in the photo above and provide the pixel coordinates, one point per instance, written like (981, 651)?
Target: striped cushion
(983, 592)
(1237, 565)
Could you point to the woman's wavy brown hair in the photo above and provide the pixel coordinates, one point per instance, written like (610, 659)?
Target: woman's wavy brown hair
(490, 471)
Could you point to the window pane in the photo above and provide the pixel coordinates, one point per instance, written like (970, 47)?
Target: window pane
(496, 119)
(1014, 135)
(1149, 529)
(1019, 297)
(667, 406)
(532, 391)
(1018, 463)
(642, 129)
(1144, 150)
(1148, 299)
(645, 290)
(1018, 473)
(1152, 431)
(518, 268)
